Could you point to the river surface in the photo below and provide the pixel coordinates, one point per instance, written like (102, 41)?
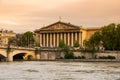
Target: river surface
(43, 70)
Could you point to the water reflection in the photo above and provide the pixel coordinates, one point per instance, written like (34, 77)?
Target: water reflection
(29, 70)
(40, 70)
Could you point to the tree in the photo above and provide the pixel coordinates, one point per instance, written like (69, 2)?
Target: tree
(118, 37)
(109, 36)
(86, 44)
(65, 48)
(76, 44)
(69, 55)
(12, 41)
(61, 44)
(27, 39)
(92, 44)
(93, 41)
(96, 38)
(37, 44)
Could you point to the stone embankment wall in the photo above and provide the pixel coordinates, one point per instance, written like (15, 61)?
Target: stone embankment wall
(46, 55)
(52, 55)
(116, 54)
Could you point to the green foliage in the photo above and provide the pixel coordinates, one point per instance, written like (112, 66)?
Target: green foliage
(87, 44)
(109, 35)
(69, 55)
(93, 42)
(37, 44)
(27, 39)
(80, 57)
(61, 44)
(12, 41)
(76, 44)
(107, 57)
(66, 50)
(61, 57)
(118, 37)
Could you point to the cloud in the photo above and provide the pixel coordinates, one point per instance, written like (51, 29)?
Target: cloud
(9, 22)
(24, 15)
(91, 12)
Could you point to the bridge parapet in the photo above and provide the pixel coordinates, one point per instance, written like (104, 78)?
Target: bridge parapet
(14, 47)
(23, 48)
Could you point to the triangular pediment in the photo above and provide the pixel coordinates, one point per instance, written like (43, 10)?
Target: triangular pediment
(60, 26)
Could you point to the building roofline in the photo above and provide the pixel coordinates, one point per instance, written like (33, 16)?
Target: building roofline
(90, 28)
(57, 23)
(62, 23)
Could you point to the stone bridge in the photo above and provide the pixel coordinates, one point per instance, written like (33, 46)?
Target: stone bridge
(7, 54)
(25, 53)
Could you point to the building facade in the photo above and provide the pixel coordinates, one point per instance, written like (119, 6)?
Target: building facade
(5, 35)
(50, 36)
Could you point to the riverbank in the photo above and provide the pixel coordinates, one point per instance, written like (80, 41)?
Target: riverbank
(74, 60)
(85, 60)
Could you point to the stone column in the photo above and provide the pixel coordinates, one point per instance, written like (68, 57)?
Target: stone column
(60, 36)
(72, 39)
(80, 38)
(44, 40)
(54, 39)
(57, 39)
(65, 38)
(68, 39)
(50, 39)
(76, 36)
(40, 39)
(47, 40)
(37, 36)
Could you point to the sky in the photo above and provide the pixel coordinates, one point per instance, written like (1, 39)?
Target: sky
(28, 15)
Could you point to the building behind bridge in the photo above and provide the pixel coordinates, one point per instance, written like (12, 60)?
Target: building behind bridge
(49, 36)
(5, 35)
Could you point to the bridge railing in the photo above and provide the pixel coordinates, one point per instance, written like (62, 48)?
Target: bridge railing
(18, 47)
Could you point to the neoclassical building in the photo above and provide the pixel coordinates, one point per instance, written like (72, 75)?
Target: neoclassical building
(5, 35)
(49, 36)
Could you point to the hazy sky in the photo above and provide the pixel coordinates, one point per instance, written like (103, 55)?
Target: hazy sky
(25, 15)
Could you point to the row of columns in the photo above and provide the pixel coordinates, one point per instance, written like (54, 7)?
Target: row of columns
(52, 39)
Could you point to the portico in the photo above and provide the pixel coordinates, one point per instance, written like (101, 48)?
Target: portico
(52, 39)
(50, 36)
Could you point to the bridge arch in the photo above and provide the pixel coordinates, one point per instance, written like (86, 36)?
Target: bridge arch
(2, 57)
(29, 56)
(23, 54)
(3, 52)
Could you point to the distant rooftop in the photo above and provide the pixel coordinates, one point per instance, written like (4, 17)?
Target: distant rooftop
(5, 31)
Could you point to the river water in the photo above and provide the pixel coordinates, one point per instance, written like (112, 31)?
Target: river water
(43, 70)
